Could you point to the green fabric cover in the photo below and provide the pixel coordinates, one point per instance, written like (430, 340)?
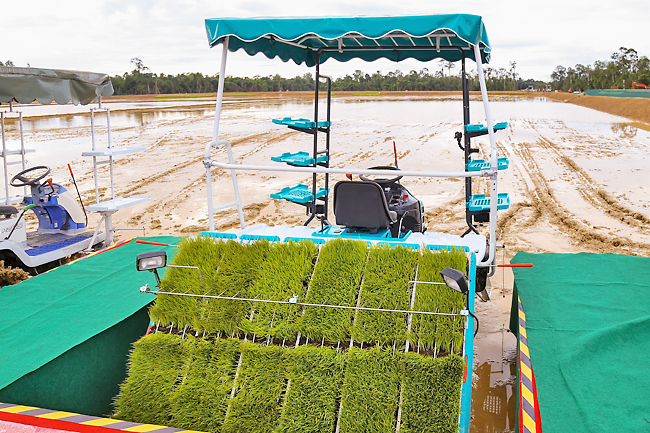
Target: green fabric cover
(619, 93)
(588, 328)
(86, 378)
(46, 85)
(47, 315)
(298, 38)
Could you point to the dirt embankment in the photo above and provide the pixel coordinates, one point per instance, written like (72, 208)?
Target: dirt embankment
(632, 108)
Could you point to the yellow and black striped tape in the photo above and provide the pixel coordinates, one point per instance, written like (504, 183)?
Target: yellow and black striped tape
(529, 417)
(75, 422)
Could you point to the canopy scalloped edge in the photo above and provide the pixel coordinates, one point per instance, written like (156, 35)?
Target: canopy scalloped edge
(299, 39)
(25, 85)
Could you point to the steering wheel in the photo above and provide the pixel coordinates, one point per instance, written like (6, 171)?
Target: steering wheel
(29, 181)
(381, 181)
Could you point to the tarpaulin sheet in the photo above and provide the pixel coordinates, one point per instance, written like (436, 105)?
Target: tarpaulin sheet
(47, 315)
(619, 93)
(588, 329)
(46, 85)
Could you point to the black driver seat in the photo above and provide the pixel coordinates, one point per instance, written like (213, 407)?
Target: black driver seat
(362, 205)
(8, 211)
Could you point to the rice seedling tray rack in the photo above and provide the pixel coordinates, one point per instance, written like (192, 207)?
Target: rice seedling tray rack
(310, 334)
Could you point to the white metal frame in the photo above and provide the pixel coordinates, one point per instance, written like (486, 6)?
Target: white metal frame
(492, 172)
(6, 153)
(107, 208)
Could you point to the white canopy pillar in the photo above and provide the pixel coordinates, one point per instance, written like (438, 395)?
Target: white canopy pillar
(494, 156)
(213, 144)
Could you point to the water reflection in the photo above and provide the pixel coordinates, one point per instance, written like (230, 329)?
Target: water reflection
(494, 400)
(624, 130)
(120, 119)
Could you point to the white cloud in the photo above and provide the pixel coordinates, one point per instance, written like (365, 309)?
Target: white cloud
(169, 36)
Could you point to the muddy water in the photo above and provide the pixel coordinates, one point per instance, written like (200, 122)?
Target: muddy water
(577, 182)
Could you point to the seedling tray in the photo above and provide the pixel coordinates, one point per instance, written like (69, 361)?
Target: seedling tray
(479, 164)
(300, 123)
(300, 194)
(479, 202)
(301, 159)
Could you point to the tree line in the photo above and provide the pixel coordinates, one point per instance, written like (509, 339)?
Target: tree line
(624, 67)
(142, 81)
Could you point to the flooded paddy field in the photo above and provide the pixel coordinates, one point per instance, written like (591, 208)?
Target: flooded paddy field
(577, 180)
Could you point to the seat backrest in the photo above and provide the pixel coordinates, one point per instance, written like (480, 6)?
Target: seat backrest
(361, 205)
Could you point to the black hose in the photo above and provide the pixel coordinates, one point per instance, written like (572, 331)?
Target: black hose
(78, 195)
(475, 318)
(28, 207)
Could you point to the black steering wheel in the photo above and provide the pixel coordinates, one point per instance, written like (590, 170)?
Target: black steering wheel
(29, 181)
(381, 181)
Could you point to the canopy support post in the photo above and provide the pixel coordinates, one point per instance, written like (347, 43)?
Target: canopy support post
(494, 154)
(213, 143)
(315, 151)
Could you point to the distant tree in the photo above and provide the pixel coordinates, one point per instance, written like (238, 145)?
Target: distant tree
(513, 74)
(626, 59)
(7, 63)
(139, 65)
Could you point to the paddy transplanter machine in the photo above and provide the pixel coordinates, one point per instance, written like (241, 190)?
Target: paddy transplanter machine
(377, 211)
(62, 219)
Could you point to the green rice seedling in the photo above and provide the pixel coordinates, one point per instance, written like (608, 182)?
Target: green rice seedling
(203, 396)
(261, 383)
(385, 285)
(202, 252)
(335, 281)
(154, 367)
(316, 377)
(438, 331)
(239, 269)
(370, 391)
(285, 272)
(430, 393)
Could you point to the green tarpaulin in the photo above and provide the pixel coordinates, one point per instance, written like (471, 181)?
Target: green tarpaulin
(588, 328)
(25, 85)
(45, 317)
(619, 93)
(299, 38)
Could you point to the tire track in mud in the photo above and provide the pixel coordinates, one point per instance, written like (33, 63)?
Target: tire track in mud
(180, 196)
(598, 197)
(543, 205)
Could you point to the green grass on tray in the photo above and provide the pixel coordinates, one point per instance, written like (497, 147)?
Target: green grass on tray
(438, 331)
(154, 367)
(430, 393)
(261, 384)
(239, 269)
(336, 281)
(385, 285)
(187, 383)
(202, 252)
(316, 376)
(203, 395)
(370, 393)
(285, 272)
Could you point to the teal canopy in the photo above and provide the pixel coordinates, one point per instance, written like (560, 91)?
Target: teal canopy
(424, 37)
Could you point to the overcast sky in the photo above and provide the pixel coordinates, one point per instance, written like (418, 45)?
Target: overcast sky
(169, 36)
